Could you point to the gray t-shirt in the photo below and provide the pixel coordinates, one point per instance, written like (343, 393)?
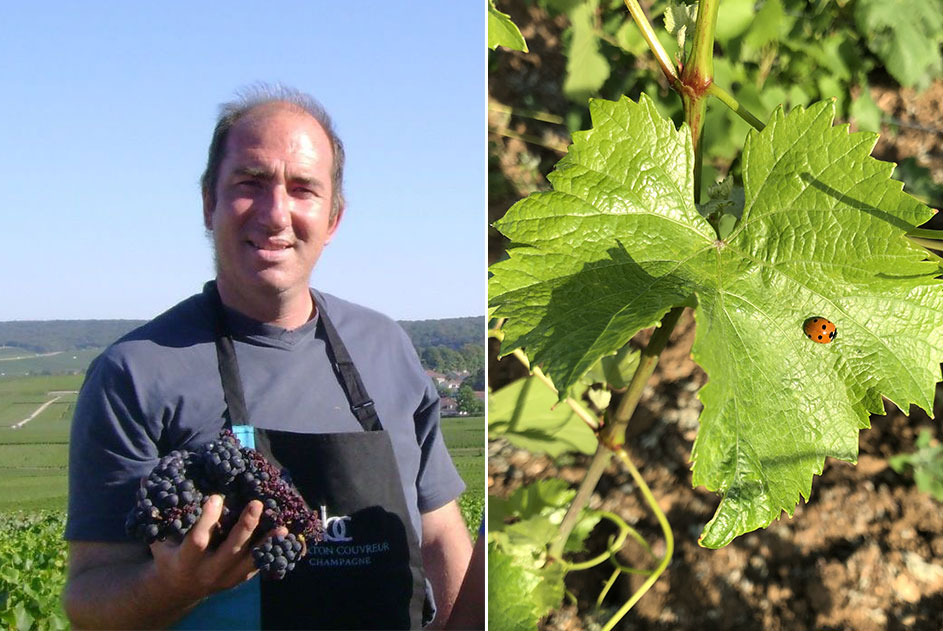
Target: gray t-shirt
(158, 389)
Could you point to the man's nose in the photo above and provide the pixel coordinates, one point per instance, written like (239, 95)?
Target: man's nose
(275, 211)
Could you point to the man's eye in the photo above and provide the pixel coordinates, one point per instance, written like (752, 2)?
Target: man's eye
(249, 183)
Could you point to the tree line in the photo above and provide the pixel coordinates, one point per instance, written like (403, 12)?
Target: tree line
(449, 345)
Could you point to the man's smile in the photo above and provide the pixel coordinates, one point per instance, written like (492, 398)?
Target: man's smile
(271, 249)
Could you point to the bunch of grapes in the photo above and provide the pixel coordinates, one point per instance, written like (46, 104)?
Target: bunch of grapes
(170, 501)
(277, 555)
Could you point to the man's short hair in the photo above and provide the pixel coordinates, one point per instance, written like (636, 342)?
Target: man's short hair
(258, 95)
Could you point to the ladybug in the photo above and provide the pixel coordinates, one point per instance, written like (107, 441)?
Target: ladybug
(820, 330)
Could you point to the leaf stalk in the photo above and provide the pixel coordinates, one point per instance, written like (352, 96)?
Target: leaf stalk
(578, 409)
(612, 435)
(735, 106)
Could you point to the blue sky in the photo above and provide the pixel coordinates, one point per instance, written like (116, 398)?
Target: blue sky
(108, 109)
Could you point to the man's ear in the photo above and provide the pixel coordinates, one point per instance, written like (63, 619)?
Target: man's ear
(207, 211)
(331, 229)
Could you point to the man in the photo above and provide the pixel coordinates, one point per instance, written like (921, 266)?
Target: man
(334, 391)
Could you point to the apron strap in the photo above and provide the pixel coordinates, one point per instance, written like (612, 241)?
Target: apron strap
(237, 413)
(360, 402)
(361, 405)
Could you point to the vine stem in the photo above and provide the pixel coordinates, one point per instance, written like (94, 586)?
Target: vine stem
(668, 66)
(696, 79)
(612, 435)
(648, 33)
(666, 531)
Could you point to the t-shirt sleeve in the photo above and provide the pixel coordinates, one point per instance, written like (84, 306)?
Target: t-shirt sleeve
(111, 448)
(438, 482)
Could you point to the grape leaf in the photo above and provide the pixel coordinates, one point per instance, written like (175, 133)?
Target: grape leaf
(679, 20)
(734, 18)
(769, 22)
(519, 596)
(540, 426)
(619, 241)
(539, 509)
(502, 31)
(615, 370)
(586, 68)
(527, 501)
(905, 35)
(865, 112)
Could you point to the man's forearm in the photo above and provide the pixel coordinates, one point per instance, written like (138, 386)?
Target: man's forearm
(117, 585)
(446, 550)
(122, 596)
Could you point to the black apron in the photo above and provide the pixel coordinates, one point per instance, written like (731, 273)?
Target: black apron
(367, 572)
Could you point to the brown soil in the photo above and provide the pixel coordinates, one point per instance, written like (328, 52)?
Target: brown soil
(865, 553)
(914, 127)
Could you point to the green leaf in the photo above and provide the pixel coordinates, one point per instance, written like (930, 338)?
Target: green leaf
(586, 68)
(519, 596)
(769, 22)
(629, 38)
(502, 31)
(619, 241)
(733, 19)
(534, 499)
(615, 370)
(22, 620)
(9, 574)
(539, 509)
(865, 111)
(576, 542)
(527, 413)
(905, 35)
(680, 20)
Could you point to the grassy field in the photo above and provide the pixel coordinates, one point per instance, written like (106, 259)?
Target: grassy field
(465, 438)
(19, 363)
(34, 455)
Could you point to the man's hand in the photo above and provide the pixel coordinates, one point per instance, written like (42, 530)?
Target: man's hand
(116, 585)
(194, 571)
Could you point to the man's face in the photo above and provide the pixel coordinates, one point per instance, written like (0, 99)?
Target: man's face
(271, 219)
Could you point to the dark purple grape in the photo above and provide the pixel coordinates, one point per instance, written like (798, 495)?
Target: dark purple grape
(276, 556)
(222, 461)
(162, 511)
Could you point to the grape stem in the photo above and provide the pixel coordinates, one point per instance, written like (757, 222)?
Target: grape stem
(648, 33)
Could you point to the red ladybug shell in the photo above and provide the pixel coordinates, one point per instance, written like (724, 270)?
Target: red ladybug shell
(820, 330)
